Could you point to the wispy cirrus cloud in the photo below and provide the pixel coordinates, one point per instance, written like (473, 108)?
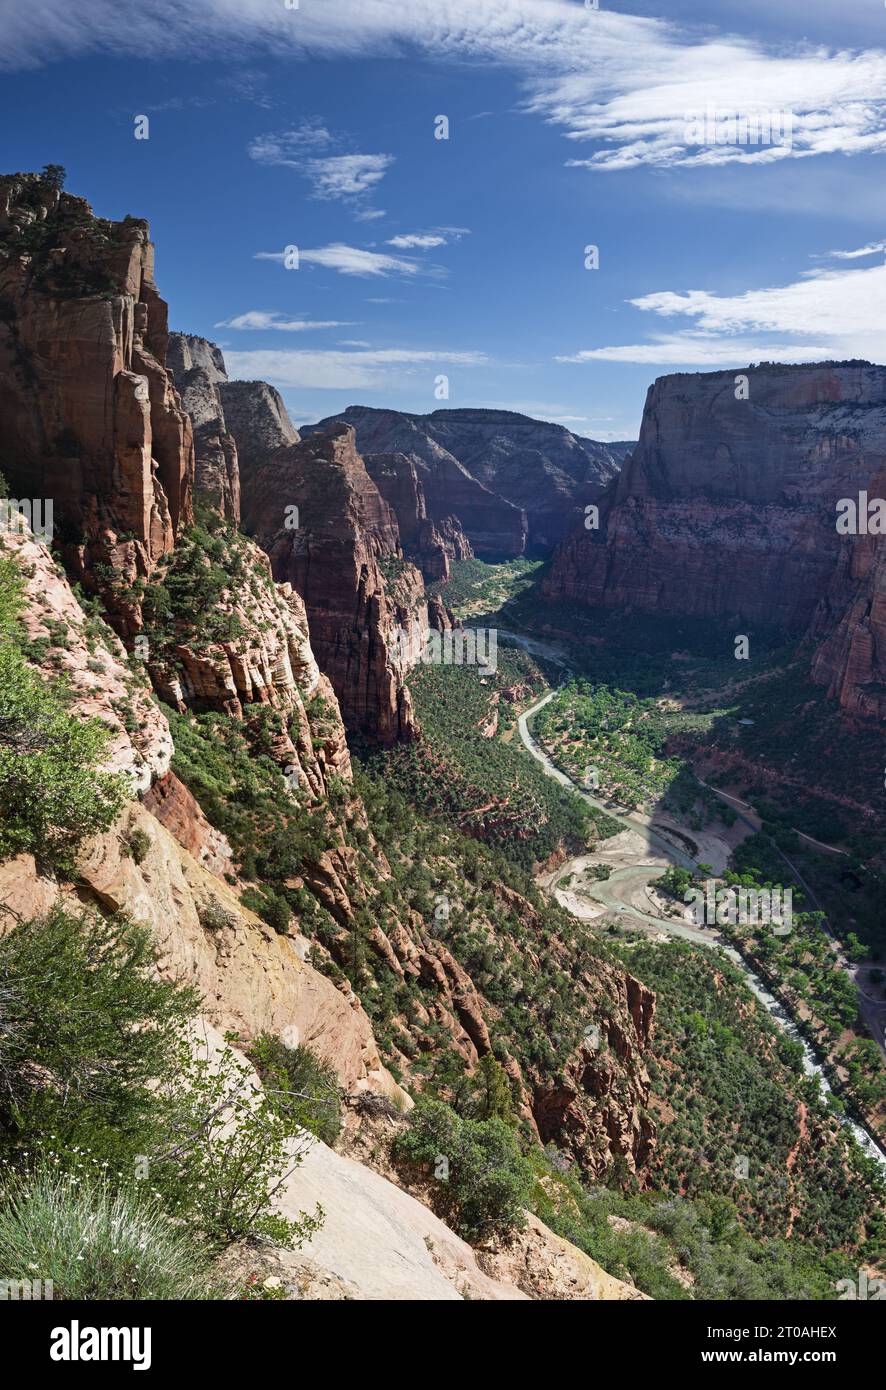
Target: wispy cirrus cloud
(352, 260)
(873, 249)
(618, 83)
(309, 148)
(426, 241)
(825, 314)
(362, 369)
(259, 319)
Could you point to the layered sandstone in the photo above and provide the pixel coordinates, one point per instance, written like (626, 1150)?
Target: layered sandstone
(345, 559)
(258, 419)
(431, 547)
(850, 624)
(495, 527)
(727, 507)
(90, 417)
(198, 368)
(530, 466)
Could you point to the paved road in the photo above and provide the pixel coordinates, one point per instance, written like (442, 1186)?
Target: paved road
(626, 880)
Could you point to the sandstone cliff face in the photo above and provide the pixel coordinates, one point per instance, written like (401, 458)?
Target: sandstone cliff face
(198, 368)
(396, 478)
(727, 507)
(251, 978)
(537, 467)
(851, 624)
(258, 420)
(90, 417)
(495, 527)
(90, 657)
(266, 662)
(345, 560)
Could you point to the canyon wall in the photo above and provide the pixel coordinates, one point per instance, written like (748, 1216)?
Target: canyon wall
(534, 466)
(727, 507)
(495, 527)
(90, 416)
(198, 368)
(344, 557)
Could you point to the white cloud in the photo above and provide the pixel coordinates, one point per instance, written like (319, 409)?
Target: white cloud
(349, 260)
(373, 369)
(347, 175)
(426, 241)
(828, 314)
(620, 82)
(415, 241)
(872, 250)
(259, 319)
(695, 350)
(309, 148)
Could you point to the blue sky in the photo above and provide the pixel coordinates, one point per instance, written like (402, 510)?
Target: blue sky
(465, 257)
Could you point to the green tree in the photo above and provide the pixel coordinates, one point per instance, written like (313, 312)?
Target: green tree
(54, 175)
(53, 791)
(492, 1091)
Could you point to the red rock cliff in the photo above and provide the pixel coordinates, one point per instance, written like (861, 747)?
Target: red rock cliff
(728, 506)
(90, 418)
(344, 558)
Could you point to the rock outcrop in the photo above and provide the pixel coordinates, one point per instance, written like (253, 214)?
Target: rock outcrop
(727, 507)
(198, 368)
(344, 558)
(429, 546)
(524, 465)
(90, 418)
(495, 527)
(851, 623)
(89, 656)
(258, 419)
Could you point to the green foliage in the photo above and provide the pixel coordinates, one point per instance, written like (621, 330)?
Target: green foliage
(53, 791)
(478, 586)
(54, 175)
(89, 1028)
(228, 1149)
(488, 787)
(98, 1059)
(493, 1091)
(731, 1085)
(297, 1077)
(489, 1182)
(137, 844)
(96, 1241)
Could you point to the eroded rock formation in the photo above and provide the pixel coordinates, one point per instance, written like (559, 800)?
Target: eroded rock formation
(91, 419)
(727, 507)
(198, 368)
(533, 466)
(344, 557)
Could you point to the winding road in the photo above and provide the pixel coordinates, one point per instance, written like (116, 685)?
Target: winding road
(627, 882)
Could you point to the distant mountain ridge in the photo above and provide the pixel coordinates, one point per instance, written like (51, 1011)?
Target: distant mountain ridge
(516, 484)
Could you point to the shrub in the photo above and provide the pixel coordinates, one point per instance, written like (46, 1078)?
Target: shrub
(137, 845)
(88, 1030)
(228, 1150)
(489, 1182)
(93, 1242)
(214, 916)
(297, 1078)
(53, 791)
